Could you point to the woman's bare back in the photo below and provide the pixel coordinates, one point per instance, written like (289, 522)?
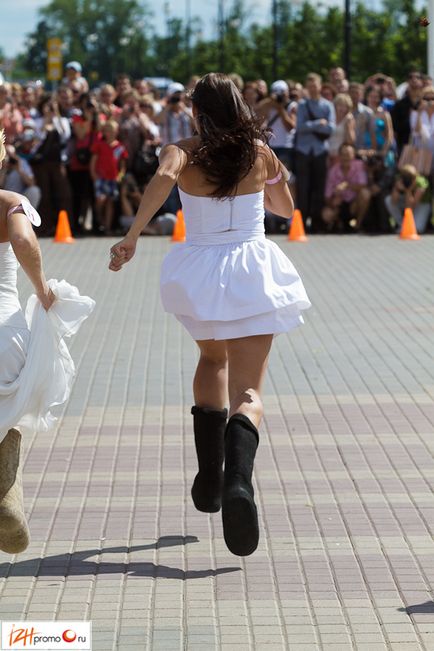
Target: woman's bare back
(192, 180)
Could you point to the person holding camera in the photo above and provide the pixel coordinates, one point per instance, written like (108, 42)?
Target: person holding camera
(176, 123)
(48, 164)
(175, 120)
(278, 113)
(316, 121)
(85, 131)
(410, 190)
(19, 176)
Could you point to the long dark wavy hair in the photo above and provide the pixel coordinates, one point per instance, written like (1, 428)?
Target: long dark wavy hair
(228, 133)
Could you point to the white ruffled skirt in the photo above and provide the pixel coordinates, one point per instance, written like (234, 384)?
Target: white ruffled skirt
(226, 291)
(36, 368)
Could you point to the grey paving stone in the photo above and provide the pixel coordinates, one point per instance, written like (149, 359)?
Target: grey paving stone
(344, 475)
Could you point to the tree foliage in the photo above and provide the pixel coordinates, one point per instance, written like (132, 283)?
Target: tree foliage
(111, 36)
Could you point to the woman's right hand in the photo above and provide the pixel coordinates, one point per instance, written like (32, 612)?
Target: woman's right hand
(46, 298)
(122, 252)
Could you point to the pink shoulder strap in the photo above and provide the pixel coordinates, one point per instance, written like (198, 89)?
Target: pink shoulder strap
(28, 210)
(275, 180)
(11, 211)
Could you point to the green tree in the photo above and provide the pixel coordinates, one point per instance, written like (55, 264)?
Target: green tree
(110, 36)
(106, 36)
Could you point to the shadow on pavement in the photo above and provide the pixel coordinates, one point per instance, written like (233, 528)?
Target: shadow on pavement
(75, 564)
(427, 607)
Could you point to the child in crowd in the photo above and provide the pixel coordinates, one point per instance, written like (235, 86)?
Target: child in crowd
(107, 167)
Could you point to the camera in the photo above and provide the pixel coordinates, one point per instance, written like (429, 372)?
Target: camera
(407, 181)
(280, 98)
(174, 99)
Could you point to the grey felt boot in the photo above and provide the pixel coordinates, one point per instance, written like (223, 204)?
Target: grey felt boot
(14, 530)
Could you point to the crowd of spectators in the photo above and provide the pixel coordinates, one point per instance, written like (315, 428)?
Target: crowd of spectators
(353, 149)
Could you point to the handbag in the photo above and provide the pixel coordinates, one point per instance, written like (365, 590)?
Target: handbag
(418, 156)
(320, 136)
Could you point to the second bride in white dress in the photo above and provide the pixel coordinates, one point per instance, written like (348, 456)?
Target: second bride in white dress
(36, 369)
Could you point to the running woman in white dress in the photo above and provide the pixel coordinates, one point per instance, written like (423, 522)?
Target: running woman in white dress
(36, 370)
(228, 285)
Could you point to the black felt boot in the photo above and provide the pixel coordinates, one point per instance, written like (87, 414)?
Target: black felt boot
(209, 432)
(240, 517)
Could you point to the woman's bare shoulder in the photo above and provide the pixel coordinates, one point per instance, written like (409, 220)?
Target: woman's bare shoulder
(189, 144)
(9, 199)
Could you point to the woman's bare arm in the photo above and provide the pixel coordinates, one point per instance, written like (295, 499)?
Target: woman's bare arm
(172, 162)
(278, 199)
(350, 130)
(28, 254)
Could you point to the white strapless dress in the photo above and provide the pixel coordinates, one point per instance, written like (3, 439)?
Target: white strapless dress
(227, 280)
(36, 369)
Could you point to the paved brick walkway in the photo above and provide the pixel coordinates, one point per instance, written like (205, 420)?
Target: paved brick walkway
(344, 476)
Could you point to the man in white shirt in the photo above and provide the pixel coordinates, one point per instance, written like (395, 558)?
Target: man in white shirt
(175, 120)
(279, 115)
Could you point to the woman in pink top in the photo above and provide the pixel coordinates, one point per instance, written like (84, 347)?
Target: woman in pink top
(347, 195)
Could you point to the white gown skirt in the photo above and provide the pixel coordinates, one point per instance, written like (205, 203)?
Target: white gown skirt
(36, 368)
(226, 291)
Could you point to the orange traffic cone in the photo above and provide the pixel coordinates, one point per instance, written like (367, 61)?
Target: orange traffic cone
(408, 228)
(296, 232)
(179, 228)
(63, 229)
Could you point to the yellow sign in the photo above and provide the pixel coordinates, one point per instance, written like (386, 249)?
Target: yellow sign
(54, 59)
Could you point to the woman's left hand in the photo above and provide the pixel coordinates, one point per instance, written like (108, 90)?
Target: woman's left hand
(47, 298)
(122, 252)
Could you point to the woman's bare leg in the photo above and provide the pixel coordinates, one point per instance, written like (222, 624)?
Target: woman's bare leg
(209, 422)
(210, 384)
(248, 359)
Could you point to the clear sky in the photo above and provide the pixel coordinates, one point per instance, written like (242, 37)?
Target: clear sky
(18, 17)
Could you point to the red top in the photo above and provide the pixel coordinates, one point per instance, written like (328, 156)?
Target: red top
(108, 158)
(82, 143)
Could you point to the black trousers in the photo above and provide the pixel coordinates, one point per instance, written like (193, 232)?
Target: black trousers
(51, 177)
(82, 195)
(310, 184)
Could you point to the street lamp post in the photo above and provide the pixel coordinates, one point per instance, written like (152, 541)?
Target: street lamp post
(347, 39)
(221, 25)
(188, 34)
(274, 10)
(430, 42)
